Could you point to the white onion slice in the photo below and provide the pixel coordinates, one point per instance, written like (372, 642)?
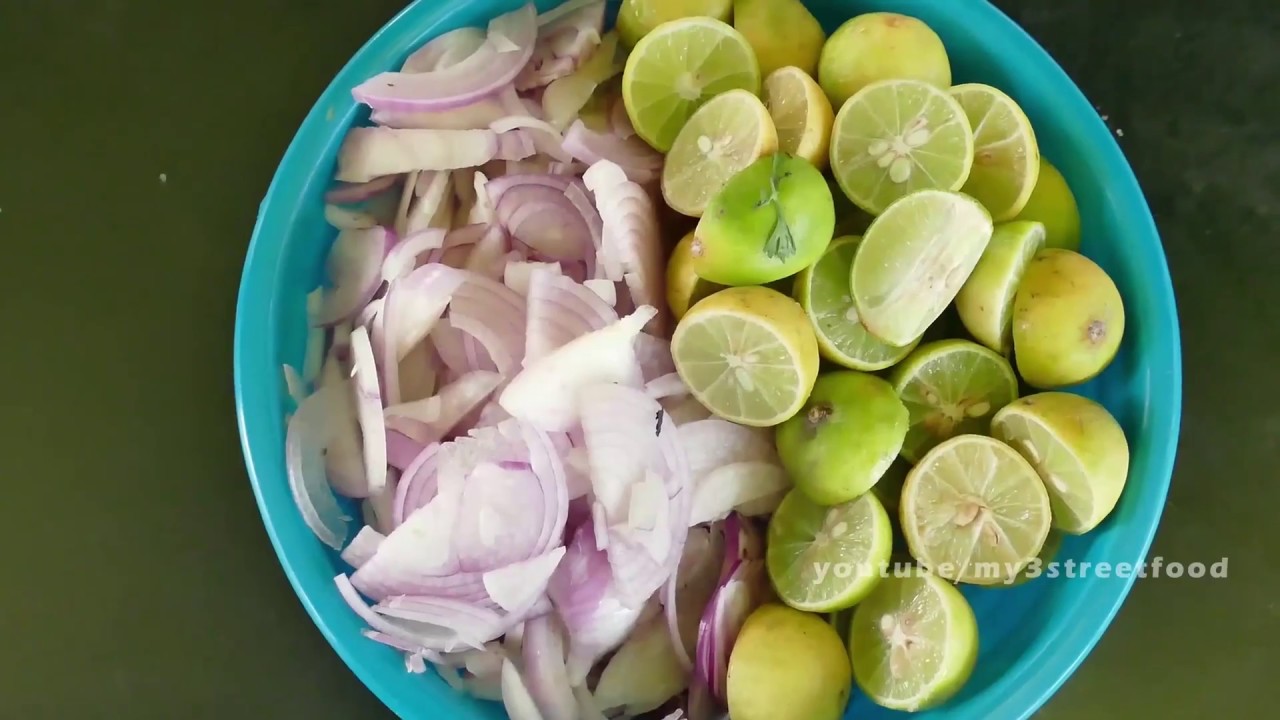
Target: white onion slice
(517, 586)
(347, 219)
(418, 548)
(516, 699)
(517, 275)
(445, 50)
(305, 439)
(560, 311)
(543, 653)
(404, 633)
(429, 420)
(369, 410)
(644, 674)
(354, 268)
(476, 115)
(712, 443)
(665, 386)
(352, 193)
(431, 200)
(690, 588)
(362, 547)
(411, 252)
(736, 486)
(654, 355)
(631, 247)
(493, 316)
(641, 163)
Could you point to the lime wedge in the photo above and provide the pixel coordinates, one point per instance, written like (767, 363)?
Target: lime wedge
(1052, 204)
(636, 18)
(823, 291)
(913, 260)
(951, 387)
(974, 511)
(684, 287)
(801, 114)
(985, 301)
(748, 354)
(721, 138)
(823, 559)
(897, 136)
(914, 642)
(679, 66)
(1006, 158)
(1077, 447)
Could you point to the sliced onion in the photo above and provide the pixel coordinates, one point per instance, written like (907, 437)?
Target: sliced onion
(644, 674)
(514, 145)
(545, 137)
(417, 374)
(665, 386)
(414, 552)
(430, 420)
(544, 661)
(742, 541)
(445, 50)
(413, 306)
(404, 633)
(654, 355)
(354, 268)
(546, 393)
(738, 485)
(493, 316)
(411, 252)
(604, 289)
(560, 311)
(565, 97)
(476, 115)
(685, 409)
(402, 450)
(631, 249)
(458, 244)
(481, 74)
(516, 587)
(516, 699)
(369, 410)
(369, 152)
(294, 385)
(376, 509)
(474, 625)
(347, 219)
(517, 275)
(432, 201)
(351, 193)
(305, 440)
(641, 163)
(741, 593)
(691, 587)
(620, 120)
(362, 547)
(709, 444)
(489, 256)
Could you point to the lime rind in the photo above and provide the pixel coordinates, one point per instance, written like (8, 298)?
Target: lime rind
(823, 291)
(895, 137)
(985, 301)
(679, 66)
(636, 18)
(1006, 157)
(827, 558)
(913, 642)
(721, 138)
(951, 387)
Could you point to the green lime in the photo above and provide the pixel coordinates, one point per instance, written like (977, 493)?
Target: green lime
(677, 67)
(823, 291)
(827, 558)
(951, 387)
(845, 437)
(1006, 158)
(974, 511)
(1052, 204)
(985, 301)
(769, 222)
(913, 642)
(636, 18)
(1077, 447)
(895, 137)
(881, 46)
(748, 354)
(913, 260)
(799, 46)
(889, 488)
(721, 138)
(812, 684)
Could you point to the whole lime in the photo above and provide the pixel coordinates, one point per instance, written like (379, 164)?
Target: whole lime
(881, 46)
(788, 665)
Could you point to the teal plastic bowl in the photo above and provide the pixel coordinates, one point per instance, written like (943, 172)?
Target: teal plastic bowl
(1032, 636)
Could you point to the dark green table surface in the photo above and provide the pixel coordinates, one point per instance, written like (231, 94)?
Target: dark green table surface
(136, 139)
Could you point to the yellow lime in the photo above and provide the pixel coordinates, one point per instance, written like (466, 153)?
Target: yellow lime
(801, 114)
(985, 301)
(913, 642)
(720, 139)
(823, 291)
(637, 17)
(748, 354)
(1048, 554)
(951, 387)
(679, 66)
(974, 511)
(1006, 158)
(895, 137)
(881, 46)
(684, 287)
(787, 665)
(1077, 447)
(913, 260)
(800, 43)
(1052, 204)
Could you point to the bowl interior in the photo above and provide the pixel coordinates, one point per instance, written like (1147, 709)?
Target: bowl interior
(1032, 636)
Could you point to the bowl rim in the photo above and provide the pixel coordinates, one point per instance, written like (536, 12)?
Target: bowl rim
(1055, 662)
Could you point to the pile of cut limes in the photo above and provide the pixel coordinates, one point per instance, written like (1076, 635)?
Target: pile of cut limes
(919, 366)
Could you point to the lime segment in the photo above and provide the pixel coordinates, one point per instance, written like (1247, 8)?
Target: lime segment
(1006, 158)
(721, 138)
(679, 66)
(974, 511)
(985, 301)
(914, 642)
(898, 136)
(823, 559)
(823, 291)
(913, 260)
(951, 387)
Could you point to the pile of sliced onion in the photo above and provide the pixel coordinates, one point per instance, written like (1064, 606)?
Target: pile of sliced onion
(550, 519)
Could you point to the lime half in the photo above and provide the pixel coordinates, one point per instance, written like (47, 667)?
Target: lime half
(677, 67)
(823, 291)
(801, 113)
(823, 559)
(974, 511)
(1078, 449)
(985, 301)
(636, 18)
(684, 287)
(1006, 158)
(748, 354)
(913, 642)
(1053, 204)
(722, 138)
(951, 387)
(913, 260)
(897, 136)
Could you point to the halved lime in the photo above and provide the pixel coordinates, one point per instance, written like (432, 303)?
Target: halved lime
(801, 114)
(677, 67)
(1077, 447)
(913, 260)
(951, 387)
(889, 488)
(721, 138)
(1040, 565)
(684, 287)
(823, 291)
(827, 558)
(913, 641)
(985, 301)
(1053, 204)
(897, 136)
(748, 354)
(636, 18)
(1006, 158)
(974, 511)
